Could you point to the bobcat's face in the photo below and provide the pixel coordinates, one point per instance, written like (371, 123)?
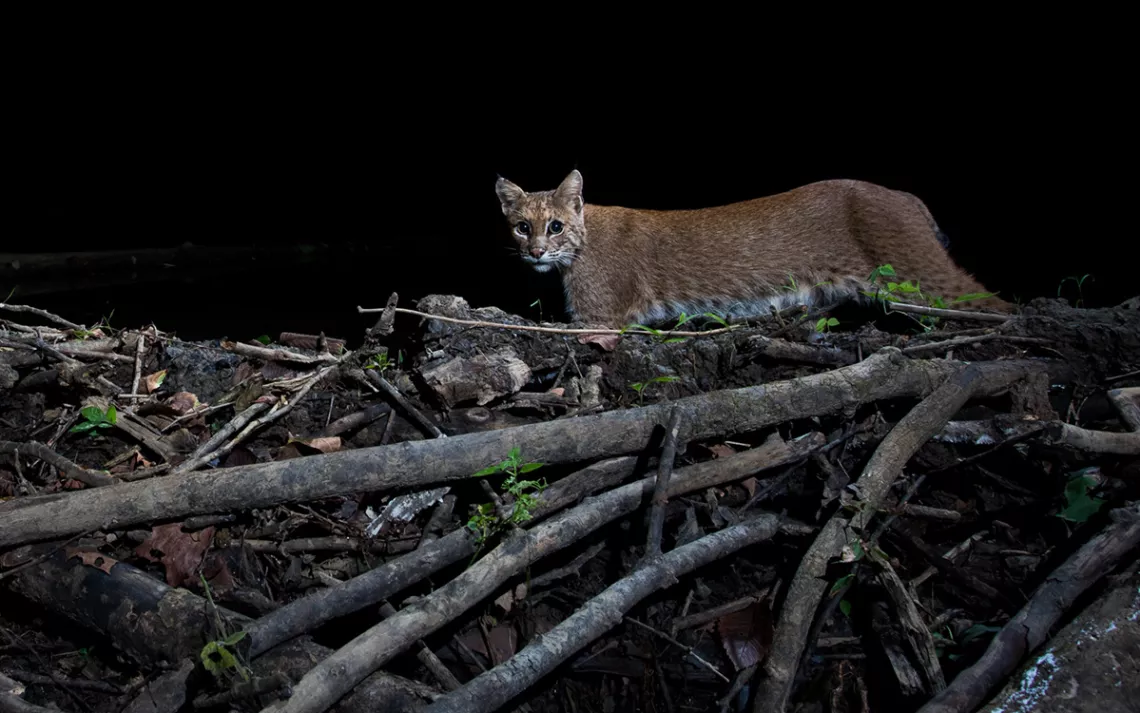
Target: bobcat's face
(547, 226)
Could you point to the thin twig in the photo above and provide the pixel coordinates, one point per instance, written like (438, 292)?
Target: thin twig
(41, 313)
(660, 490)
(962, 341)
(421, 420)
(550, 330)
(687, 649)
(72, 470)
(140, 349)
(949, 313)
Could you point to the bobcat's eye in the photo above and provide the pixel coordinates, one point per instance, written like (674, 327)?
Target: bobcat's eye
(555, 227)
(523, 227)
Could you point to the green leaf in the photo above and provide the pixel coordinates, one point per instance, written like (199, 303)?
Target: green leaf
(717, 318)
(264, 339)
(977, 630)
(528, 467)
(857, 548)
(637, 387)
(513, 454)
(845, 607)
(93, 414)
(832, 322)
(674, 340)
(972, 296)
(112, 414)
(489, 470)
(1080, 506)
(664, 379)
(104, 424)
(83, 427)
(234, 638)
(840, 584)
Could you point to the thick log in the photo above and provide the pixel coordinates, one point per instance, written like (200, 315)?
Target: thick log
(885, 375)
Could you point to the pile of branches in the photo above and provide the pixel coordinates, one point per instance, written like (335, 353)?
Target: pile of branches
(472, 512)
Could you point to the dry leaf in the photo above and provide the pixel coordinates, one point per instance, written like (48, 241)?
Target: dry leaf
(180, 552)
(506, 601)
(325, 444)
(151, 382)
(749, 485)
(183, 402)
(557, 392)
(607, 342)
(92, 558)
(720, 450)
(747, 634)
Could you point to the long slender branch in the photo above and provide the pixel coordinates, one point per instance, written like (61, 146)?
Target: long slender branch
(809, 583)
(333, 677)
(547, 330)
(490, 690)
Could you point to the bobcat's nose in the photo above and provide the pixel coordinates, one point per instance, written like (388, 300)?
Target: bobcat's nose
(537, 252)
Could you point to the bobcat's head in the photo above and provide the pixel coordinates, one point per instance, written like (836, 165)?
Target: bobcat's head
(547, 226)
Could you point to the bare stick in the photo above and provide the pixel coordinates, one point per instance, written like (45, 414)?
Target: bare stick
(1030, 627)
(414, 413)
(918, 636)
(279, 354)
(962, 341)
(41, 313)
(949, 313)
(704, 617)
(333, 677)
(72, 470)
(548, 330)
(886, 374)
(140, 349)
(491, 690)
(204, 453)
(364, 590)
(687, 649)
(809, 583)
(660, 498)
(1125, 444)
(1127, 402)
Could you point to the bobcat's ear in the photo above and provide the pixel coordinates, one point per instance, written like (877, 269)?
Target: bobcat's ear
(569, 192)
(509, 194)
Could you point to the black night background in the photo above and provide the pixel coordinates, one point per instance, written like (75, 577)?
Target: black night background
(344, 191)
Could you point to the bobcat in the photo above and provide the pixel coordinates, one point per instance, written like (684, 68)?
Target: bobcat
(815, 244)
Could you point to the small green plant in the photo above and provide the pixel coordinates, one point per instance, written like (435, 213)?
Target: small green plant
(826, 323)
(94, 419)
(891, 291)
(486, 522)
(1079, 282)
(1079, 505)
(660, 336)
(538, 303)
(218, 656)
(380, 362)
(264, 339)
(639, 387)
(792, 285)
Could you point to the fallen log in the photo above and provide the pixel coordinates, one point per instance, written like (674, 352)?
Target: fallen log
(490, 690)
(1031, 626)
(885, 375)
(335, 676)
(152, 622)
(809, 583)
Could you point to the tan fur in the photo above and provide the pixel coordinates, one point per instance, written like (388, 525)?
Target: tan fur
(622, 265)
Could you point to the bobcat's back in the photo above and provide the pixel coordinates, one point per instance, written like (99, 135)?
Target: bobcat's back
(814, 243)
